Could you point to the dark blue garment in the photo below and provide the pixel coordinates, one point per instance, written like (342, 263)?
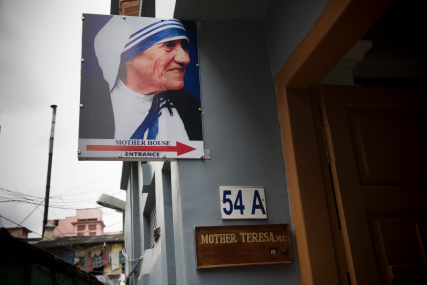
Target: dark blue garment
(96, 99)
(151, 121)
(122, 257)
(67, 256)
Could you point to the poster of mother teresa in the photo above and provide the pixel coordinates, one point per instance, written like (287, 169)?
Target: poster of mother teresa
(140, 91)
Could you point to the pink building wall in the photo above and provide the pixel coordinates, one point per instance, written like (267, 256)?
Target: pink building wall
(19, 232)
(65, 227)
(87, 222)
(89, 214)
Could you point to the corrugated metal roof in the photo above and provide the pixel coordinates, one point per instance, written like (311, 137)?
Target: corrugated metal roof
(78, 240)
(14, 248)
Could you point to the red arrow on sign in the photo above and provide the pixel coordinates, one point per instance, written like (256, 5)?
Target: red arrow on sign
(180, 148)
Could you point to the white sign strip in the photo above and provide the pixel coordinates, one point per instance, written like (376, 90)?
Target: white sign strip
(110, 149)
(242, 202)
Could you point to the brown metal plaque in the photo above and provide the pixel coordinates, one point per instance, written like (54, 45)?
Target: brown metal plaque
(221, 246)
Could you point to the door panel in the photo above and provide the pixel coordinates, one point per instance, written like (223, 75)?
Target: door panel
(377, 140)
(381, 162)
(398, 248)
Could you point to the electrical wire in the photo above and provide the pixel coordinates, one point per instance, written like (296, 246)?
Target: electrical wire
(7, 195)
(85, 192)
(88, 183)
(10, 196)
(18, 197)
(55, 207)
(19, 225)
(31, 212)
(13, 196)
(130, 260)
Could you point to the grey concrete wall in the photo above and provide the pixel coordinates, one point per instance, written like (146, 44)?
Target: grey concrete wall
(241, 129)
(286, 24)
(158, 266)
(134, 232)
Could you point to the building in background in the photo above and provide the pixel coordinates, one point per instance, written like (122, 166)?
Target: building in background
(98, 255)
(19, 232)
(87, 222)
(81, 241)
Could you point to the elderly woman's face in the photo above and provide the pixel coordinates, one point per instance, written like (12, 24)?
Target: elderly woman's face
(160, 67)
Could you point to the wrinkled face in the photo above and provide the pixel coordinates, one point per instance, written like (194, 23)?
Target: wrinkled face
(160, 67)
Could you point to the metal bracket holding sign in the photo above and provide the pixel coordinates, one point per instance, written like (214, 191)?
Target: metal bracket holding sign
(223, 246)
(242, 202)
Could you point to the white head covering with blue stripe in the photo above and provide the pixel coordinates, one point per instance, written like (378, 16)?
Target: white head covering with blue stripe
(121, 39)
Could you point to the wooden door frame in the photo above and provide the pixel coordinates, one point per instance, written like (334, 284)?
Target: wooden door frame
(318, 241)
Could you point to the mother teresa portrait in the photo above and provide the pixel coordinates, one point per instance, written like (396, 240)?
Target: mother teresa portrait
(140, 93)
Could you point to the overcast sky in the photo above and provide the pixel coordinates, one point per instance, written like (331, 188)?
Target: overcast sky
(40, 51)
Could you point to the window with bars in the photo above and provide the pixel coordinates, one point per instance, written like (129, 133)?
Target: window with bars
(153, 224)
(81, 228)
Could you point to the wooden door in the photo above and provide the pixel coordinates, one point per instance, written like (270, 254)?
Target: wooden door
(377, 142)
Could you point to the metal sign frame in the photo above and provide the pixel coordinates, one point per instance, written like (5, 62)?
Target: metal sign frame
(171, 127)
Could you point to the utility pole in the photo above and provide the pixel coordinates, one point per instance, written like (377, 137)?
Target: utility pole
(49, 168)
